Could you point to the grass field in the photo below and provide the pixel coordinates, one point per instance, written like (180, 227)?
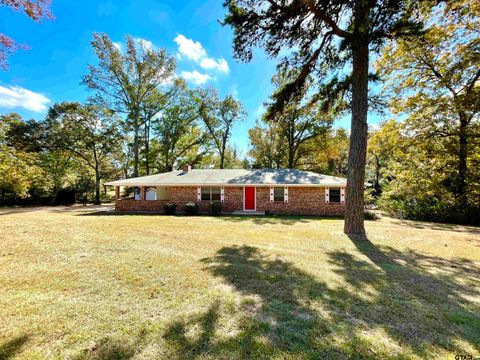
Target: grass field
(78, 283)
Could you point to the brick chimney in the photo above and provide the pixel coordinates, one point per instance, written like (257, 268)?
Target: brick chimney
(186, 169)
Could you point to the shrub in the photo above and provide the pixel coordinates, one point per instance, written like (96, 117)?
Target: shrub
(191, 208)
(215, 208)
(432, 209)
(170, 209)
(370, 215)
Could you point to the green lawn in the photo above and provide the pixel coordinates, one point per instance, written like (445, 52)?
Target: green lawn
(78, 283)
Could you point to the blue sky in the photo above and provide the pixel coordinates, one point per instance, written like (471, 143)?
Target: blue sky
(60, 50)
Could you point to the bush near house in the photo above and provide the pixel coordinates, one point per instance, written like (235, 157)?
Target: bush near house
(191, 208)
(215, 208)
(170, 209)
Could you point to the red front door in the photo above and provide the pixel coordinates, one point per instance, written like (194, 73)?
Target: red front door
(249, 198)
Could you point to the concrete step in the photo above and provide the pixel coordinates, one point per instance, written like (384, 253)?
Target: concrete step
(249, 213)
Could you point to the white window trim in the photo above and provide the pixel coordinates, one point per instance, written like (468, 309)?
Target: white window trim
(271, 194)
(335, 202)
(199, 194)
(342, 195)
(222, 194)
(327, 195)
(285, 195)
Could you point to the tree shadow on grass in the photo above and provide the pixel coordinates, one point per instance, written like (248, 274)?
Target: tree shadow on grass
(275, 219)
(390, 305)
(421, 301)
(275, 317)
(12, 347)
(468, 229)
(113, 349)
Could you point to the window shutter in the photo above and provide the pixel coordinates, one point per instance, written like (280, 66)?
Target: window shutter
(271, 194)
(342, 195)
(199, 194)
(285, 197)
(327, 195)
(222, 194)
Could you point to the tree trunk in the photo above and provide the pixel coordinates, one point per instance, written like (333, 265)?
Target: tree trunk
(222, 154)
(291, 156)
(97, 187)
(136, 130)
(222, 160)
(147, 146)
(462, 163)
(357, 154)
(377, 187)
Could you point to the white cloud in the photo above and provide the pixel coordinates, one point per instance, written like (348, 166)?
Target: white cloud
(195, 77)
(118, 45)
(147, 44)
(190, 49)
(220, 65)
(194, 50)
(18, 97)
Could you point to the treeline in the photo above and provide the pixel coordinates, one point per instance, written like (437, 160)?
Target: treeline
(427, 166)
(139, 120)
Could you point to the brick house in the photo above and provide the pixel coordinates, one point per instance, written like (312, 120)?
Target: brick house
(276, 191)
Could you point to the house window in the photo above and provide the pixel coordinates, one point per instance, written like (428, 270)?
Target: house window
(151, 194)
(279, 194)
(334, 195)
(136, 193)
(215, 194)
(210, 194)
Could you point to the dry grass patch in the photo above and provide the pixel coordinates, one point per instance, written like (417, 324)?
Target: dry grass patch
(80, 283)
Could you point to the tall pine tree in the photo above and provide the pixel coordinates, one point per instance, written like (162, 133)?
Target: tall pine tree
(327, 35)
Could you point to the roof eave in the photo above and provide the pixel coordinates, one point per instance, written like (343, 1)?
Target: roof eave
(116, 183)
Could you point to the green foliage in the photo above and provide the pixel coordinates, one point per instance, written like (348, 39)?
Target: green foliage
(84, 186)
(19, 168)
(416, 177)
(178, 138)
(312, 28)
(136, 83)
(431, 209)
(170, 209)
(326, 152)
(434, 83)
(89, 133)
(18, 172)
(298, 127)
(426, 167)
(191, 208)
(215, 208)
(219, 117)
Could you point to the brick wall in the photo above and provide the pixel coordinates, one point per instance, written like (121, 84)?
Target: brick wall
(138, 205)
(301, 201)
